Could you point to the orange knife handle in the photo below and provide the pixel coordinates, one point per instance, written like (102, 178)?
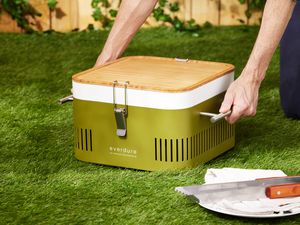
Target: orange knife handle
(283, 191)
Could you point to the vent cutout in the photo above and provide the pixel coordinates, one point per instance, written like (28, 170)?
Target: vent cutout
(83, 139)
(176, 150)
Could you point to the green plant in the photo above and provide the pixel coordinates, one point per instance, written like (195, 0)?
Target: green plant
(160, 14)
(51, 5)
(21, 11)
(104, 13)
(252, 5)
(165, 12)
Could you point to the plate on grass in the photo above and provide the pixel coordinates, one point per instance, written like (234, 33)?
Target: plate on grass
(238, 209)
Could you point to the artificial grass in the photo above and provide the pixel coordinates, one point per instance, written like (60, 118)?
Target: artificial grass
(42, 183)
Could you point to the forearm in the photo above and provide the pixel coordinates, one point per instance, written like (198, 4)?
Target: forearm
(132, 14)
(274, 21)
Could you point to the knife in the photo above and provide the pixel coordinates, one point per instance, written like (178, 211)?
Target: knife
(283, 191)
(242, 190)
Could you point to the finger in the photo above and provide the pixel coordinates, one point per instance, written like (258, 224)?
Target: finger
(251, 111)
(227, 103)
(98, 62)
(237, 112)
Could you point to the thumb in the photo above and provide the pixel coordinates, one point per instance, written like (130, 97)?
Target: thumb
(227, 103)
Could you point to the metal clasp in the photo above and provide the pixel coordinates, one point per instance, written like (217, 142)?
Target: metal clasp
(120, 113)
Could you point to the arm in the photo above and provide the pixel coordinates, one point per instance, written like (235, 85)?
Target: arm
(132, 14)
(242, 95)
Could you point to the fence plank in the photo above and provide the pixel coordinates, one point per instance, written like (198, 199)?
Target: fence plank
(74, 19)
(205, 11)
(231, 12)
(65, 16)
(187, 9)
(84, 13)
(7, 24)
(255, 18)
(71, 14)
(41, 23)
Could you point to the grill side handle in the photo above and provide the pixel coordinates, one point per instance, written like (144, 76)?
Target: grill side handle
(215, 117)
(65, 99)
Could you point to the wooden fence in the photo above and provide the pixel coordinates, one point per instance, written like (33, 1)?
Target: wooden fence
(76, 14)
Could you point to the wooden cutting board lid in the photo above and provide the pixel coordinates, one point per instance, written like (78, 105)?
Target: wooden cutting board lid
(155, 73)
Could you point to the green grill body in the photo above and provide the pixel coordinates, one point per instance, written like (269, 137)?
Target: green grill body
(156, 139)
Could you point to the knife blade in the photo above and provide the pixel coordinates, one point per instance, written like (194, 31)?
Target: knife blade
(242, 190)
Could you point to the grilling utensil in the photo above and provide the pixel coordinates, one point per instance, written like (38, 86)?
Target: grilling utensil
(283, 191)
(277, 187)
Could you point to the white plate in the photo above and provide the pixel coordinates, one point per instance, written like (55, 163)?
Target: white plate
(220, 209)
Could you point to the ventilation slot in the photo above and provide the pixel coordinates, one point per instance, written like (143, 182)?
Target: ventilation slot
(84, 139)
(166, 150)
(179, 150)
(155, 149)
(182, 150)
(171, 149)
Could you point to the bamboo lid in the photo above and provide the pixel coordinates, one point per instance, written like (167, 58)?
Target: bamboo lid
(155, 73)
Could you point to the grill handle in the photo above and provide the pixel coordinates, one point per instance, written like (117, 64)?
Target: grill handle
(215, 117)
(65, 99)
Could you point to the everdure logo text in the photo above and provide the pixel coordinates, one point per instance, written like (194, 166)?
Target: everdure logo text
(122, 151)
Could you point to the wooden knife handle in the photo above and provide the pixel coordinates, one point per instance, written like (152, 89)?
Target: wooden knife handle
(283, 191)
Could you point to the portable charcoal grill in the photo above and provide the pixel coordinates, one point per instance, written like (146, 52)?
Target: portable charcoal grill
(144, 113)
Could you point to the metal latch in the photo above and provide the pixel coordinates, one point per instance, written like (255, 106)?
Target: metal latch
(215, 117)
(120, 113)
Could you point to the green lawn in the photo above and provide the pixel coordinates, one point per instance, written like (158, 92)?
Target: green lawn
(42, 183)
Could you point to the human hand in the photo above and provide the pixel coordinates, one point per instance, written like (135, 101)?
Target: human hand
(102, 59)
(131, 16)
(241, 97)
